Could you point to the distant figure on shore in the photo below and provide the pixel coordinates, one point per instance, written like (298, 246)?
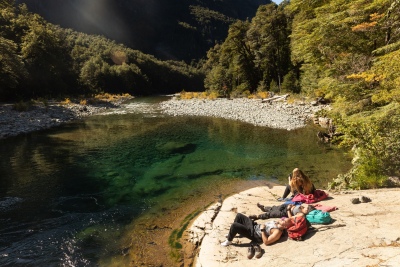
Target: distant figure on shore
(298, 183)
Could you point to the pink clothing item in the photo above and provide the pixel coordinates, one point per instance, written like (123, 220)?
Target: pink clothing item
(325, 208)
(311, 198)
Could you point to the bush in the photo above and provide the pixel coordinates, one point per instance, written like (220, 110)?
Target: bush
(290, 83)
(273, 87)
(375, 139)
(22, 106)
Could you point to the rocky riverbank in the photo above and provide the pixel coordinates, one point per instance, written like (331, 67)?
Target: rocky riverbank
(40, 116)
(281, 115)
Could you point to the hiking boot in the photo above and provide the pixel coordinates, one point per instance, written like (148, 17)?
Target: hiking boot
(258, 251)
(250, 252)
(261, 207)
(226, 243)
(355, 201)
(365, 199)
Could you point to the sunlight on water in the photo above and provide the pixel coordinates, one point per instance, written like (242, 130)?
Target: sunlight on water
(76, 188)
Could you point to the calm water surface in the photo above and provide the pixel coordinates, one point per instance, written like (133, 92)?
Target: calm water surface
(67, 193)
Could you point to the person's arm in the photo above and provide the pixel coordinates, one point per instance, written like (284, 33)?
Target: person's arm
(289, 213)
(289, 210)
(275, 235)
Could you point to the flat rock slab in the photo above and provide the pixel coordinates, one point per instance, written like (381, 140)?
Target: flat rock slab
(364, 234)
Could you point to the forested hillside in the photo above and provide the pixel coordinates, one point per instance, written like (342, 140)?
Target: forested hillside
(39, 59)
(347, 52)
(167, 29)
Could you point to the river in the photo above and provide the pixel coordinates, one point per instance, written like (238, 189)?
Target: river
(69, 196)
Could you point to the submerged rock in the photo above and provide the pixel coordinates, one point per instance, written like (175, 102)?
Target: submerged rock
(177, 148)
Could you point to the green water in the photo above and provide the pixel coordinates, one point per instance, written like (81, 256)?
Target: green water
(62, 185)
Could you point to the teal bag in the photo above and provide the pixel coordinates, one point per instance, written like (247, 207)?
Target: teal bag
(319, 217)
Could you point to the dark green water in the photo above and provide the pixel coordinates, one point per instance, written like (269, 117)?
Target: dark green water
(67, 193)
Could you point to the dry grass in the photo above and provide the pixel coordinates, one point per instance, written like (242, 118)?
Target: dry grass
(198, 95)
(105, 97)
(66, 101)
(111, 97)
(259, 95)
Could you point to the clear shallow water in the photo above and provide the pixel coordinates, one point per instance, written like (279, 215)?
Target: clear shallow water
(66, 194)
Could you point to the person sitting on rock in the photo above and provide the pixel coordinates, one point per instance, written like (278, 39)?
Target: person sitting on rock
(298, 183)
(267, 233)
(284, 210)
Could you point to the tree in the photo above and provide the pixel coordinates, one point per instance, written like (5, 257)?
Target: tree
(268, 36)
(92, 74)
(12, 69)
(254, 53)
(290, 83)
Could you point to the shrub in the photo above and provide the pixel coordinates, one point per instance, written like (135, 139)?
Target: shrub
(66, 101)
(22, 106)
(375, 139)
(290, 83)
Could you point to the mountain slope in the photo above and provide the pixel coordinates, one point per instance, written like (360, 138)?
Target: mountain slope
(173, 29)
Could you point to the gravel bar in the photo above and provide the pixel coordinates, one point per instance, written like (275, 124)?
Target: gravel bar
(279, 115)
(40, 117)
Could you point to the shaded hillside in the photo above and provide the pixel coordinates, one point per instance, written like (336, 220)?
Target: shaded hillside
(173, 29)
(39, 59)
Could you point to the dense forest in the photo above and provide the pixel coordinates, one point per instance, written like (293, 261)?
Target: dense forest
(347, 52)
(167, 29)
(39, 59)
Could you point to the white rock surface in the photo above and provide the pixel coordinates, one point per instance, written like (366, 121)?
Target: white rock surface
(365, 234)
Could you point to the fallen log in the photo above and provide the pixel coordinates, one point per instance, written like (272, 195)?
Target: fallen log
(275, 98)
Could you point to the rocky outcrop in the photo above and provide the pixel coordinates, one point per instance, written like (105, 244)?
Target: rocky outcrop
(362, 234)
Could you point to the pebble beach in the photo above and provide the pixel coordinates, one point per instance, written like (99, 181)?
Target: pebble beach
(281, 115)
(40, 117)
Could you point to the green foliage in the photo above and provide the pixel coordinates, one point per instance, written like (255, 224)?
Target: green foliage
(386, 71)
(274, 87)
(253, 54)
(22, 106)
(290, 83)
(219, 81)
(6, 4)
(262, 87)
(204, 15)
(12, 68)
(348, 52)
(170, 30)
(375, 139)
(39, 59)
